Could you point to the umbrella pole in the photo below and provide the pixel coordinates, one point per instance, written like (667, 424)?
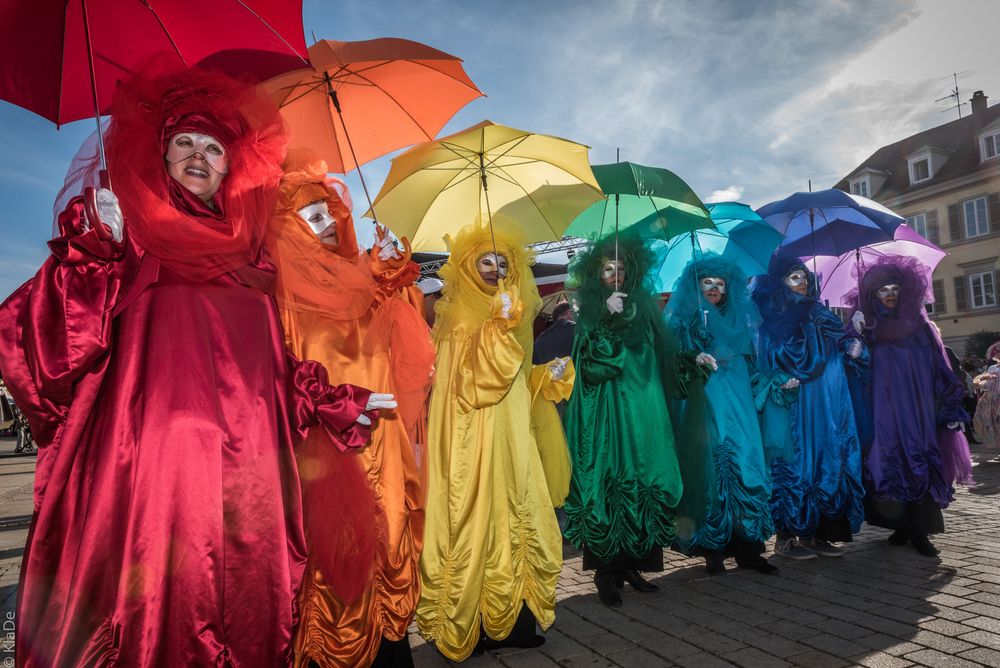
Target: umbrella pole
(812, 236)
(489, 212)
(336, 105)
(103, 175)
(697, 282)
(616, 229)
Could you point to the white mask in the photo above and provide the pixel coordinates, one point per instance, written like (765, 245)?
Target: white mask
(891, 290)
(185, 145)
(709, 283)
(318, 218)
(796, 278)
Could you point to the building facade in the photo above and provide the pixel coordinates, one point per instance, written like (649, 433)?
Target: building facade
(946, 182)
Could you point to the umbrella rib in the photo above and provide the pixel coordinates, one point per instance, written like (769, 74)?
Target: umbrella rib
(467, 175)
(398, 104)
(274, 32)
(421, 63)
(307, 89)
(165, 31)
(533, 202)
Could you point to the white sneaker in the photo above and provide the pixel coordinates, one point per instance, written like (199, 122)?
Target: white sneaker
(822, 548)
(792, 549)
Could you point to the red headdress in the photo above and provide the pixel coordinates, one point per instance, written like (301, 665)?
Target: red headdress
(165, 219)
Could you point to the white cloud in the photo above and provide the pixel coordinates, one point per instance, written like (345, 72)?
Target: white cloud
(730, 194)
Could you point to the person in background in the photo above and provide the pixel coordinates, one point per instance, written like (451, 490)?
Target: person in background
(431, 289)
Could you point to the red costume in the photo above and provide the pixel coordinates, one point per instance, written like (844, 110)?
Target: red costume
(167, 527)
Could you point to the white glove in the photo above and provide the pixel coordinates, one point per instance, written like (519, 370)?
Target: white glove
(615, 303)
(557, 367)
(387, 249)
(854, 348)
(704, 359)
(376, 401)
(791, 384)
(858, 320)
(506, 304)
(956, 426)
(110, 214)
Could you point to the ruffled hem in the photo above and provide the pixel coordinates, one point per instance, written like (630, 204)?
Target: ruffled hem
(799, 509)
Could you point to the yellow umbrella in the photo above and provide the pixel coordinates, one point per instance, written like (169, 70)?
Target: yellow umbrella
(436, 188)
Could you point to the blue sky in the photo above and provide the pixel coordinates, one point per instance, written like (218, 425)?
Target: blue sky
(744, 100)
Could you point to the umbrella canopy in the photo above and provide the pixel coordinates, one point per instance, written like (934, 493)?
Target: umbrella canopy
(362, 100)
(829, 222)
(47, 68)
(839, 274)
(436, 188)
(654, 200)
(740, 236)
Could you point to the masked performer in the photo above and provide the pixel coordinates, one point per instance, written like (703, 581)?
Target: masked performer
(626, 482)
(918, 451)
(816, 474)
(710, 311)
(149, 358)
(987, 409)
(492, 550)
(353, 313)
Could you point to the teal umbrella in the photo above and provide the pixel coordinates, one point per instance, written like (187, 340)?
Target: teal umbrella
(740, 235)
(654, 202)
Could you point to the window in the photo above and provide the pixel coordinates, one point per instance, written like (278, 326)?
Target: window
(920, 170)
(860, 187)
(983, 290)
(976, 222)
(918, 223)
(991, 146)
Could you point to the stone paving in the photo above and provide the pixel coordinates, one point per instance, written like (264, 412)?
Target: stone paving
(878, 606)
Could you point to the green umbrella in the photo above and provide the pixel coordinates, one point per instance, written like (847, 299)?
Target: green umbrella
(654, 201)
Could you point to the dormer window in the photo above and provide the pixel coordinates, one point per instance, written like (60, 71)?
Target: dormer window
(920, 170)
(989, 145)
(860, 187)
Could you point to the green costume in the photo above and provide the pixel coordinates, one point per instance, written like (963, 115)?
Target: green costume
(626, 480)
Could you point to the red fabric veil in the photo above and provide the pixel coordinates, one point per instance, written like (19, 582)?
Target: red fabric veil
(164, 218)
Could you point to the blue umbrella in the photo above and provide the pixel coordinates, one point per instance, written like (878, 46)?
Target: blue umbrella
(741, 236)
(829, 222)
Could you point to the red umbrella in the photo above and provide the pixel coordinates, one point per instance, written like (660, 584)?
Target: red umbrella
(63, 58)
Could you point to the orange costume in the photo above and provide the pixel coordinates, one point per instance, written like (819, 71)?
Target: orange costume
(360, 317)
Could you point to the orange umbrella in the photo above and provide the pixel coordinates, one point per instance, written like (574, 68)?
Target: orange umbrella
(362, 100)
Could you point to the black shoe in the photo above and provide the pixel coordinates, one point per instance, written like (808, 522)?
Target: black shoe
(715, 563)
(606, 590)
(638, 582)
(899, 537)
(759, 564)
(923, 546)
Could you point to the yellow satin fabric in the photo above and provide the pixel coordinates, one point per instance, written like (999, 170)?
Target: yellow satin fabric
(547, 427)
(332, 632)
(491, 538)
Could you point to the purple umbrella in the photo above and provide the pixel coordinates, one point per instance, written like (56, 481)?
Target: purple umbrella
(839, 273)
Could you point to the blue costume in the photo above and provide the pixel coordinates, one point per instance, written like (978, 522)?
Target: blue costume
(816, 470)
(736, 515)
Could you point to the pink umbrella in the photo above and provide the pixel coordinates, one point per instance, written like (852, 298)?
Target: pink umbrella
(839, 273)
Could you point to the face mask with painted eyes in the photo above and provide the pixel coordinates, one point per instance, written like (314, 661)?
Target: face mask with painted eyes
(491, 267)
(798, 281)
(613, 273)
(713, 288)
(888, 294)
(318, 218)
(185, 145)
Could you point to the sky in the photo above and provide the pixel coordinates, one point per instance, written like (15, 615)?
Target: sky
(745, 100)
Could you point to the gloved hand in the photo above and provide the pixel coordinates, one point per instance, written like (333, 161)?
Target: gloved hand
(858, 320)
(557, 367)
(854, 348)
(376, 401)
(956, 426)
(704, 359)
(109, 212)
(615, 302)
(506, 304)
(386, 245)
(791, 384)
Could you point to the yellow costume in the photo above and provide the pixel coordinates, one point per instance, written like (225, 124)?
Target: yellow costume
(491, 542)
(360, 317)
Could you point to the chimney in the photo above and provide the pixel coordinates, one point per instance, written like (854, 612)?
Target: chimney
(978, 101)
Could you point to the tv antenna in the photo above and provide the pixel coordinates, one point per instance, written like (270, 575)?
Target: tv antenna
(954, 95)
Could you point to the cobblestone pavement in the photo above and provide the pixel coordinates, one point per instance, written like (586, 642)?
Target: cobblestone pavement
(877, 606)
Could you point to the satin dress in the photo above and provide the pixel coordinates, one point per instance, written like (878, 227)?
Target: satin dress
(492, 543)
(739, 479)
(334, 631)
(167, 522)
